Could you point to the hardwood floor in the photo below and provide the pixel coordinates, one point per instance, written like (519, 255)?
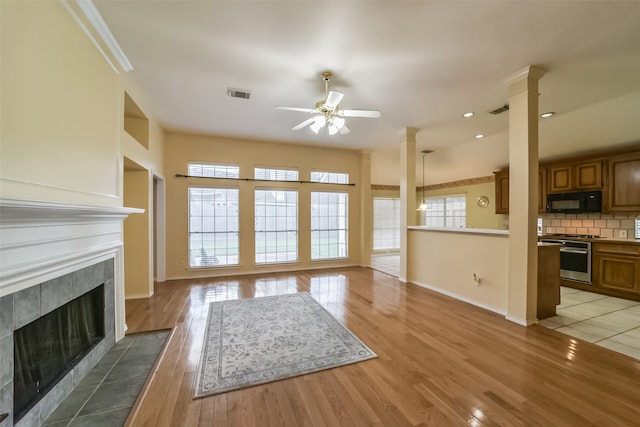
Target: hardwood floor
(441, 362)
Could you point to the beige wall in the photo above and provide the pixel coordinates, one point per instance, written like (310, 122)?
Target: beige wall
(60, 109)
(62, 117)
(477, 217)
(446, 262)
(137, 235)
(181, 148)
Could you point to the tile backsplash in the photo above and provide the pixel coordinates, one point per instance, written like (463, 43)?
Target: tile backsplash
(603, 225)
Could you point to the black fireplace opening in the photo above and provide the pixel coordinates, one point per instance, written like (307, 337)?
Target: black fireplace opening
(46, 349)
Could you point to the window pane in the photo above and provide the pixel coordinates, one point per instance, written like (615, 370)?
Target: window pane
(330, 177)
(386, 224)
(449, 211)
(213, 170)
(213, 231)
(274, 174)
(329, 219)
(276, 226)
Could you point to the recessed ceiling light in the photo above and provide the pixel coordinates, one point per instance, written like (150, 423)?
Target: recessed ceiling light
(480, 136)
(469, 114)
(547, 114)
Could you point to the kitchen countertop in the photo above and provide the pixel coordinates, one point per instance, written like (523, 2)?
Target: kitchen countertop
(594, 239)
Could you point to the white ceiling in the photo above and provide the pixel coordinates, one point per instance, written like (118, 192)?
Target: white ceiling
(421, 63)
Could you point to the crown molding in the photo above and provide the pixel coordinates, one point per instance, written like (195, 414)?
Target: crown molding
(94, 25)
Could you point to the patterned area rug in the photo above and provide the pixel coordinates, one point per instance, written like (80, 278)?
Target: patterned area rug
(255, 341)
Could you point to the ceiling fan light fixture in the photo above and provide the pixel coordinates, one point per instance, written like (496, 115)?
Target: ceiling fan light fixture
(318, 122)
(338, 122)
(333, 129)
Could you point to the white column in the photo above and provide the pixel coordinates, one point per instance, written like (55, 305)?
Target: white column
(407, 194)
(523, 195)
(366, 210)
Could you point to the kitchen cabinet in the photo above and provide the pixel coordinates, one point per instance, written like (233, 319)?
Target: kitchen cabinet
(616, 266)
(622, 189)
(575, 176)
(502, 190)
(548, 279)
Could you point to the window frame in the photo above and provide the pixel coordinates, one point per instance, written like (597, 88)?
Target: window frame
(345, 230)
(425, 214)
(296, 231)
(397, 204)
(202, 233)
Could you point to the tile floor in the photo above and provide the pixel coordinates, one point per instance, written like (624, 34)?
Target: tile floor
(607, 321)
(106, 395)
(388, 263)
(610, 322)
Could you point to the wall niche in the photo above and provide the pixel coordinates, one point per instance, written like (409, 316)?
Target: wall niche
(136, 123)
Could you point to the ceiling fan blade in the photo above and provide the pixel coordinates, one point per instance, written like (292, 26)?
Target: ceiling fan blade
(303, 124)
(371, 114)
(344, 130)
(303, 110)
(333, 99)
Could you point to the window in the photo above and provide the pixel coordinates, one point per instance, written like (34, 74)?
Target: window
(274, 174)
(276, 226)
(213, 227)
(449, 211)
(330, 177)
(386, 224)
(214, 170)
(329, 225)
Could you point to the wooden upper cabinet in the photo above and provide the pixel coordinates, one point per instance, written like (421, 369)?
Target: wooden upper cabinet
(502, 191)
(588, 176)
(575, 177)
(560, 179)
(542, 190)
(622, 192)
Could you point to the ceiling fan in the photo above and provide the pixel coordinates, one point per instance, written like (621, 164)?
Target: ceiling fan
(327, 112)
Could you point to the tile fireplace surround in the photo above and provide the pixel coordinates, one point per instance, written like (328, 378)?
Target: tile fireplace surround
(51, 253)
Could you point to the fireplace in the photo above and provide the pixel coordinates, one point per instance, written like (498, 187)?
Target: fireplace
(51, 254)
(48, 348)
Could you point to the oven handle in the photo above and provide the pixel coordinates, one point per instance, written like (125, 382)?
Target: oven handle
(575, 251)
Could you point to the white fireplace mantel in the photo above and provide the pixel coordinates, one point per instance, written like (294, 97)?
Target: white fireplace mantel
(40, 241)
(43, 240)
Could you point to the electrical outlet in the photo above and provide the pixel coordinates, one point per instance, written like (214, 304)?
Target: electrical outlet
(623, 234)
(181, 262)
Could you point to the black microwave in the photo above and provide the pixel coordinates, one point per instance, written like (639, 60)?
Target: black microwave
(575, 202)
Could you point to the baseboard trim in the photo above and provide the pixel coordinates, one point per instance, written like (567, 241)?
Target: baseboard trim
(462, 298)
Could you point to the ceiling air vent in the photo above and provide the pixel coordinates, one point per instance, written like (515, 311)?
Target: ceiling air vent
(238, 93)
(499, 110)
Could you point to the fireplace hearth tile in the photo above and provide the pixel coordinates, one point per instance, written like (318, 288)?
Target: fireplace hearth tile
(6, 316)
(55, 293)
(6, 367)
(26, 306)
(6, 404)
(56, 395)
(112, 418)
(109, 293)
(71, 405)
(87, 278)
(114, 395)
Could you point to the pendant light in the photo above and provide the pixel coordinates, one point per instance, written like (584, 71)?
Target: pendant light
(423, 205)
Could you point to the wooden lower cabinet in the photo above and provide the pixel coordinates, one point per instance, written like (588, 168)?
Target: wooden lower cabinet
(616, 266)
(548, 280)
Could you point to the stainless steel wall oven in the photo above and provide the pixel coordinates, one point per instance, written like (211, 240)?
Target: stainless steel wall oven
(575, 259)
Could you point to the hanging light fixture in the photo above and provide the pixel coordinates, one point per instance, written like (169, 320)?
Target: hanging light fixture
(423, 205)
